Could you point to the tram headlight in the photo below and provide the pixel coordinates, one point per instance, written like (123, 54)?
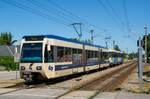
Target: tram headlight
(39, 68)
(22, 67)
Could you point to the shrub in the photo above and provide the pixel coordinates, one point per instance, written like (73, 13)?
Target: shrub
(8, 62)
(148, 59)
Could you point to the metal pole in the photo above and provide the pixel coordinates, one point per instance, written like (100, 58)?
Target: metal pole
(107, 38)
(92, 37)
(16, 62)
(145, 45)
(79, 34)
(140, 65)
(106, 43)
(16, 70)
(113, 44)
(127, 50)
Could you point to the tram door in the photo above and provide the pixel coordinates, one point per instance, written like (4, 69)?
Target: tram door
(74, 62)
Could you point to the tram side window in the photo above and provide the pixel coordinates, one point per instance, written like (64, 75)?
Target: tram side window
(80, 51)
(67, 57)
(74, 51)
(80, 56)
(116, 54)
(91, 54)
(121, 55)
(96, 54)
(48, 55)
(88, 54)
(103, 56)
(60, 54)
(106, 55)
(74, 55)
(100, 55)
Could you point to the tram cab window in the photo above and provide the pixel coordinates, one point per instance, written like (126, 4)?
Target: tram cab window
(31, 52)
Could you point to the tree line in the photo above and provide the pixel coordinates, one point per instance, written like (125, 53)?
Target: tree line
(148, 46)
(6, 38)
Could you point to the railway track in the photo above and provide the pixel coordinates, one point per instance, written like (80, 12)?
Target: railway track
(109, 82)
(114, 84)
(22, 86)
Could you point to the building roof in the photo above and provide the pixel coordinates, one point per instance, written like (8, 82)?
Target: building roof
(8, 50)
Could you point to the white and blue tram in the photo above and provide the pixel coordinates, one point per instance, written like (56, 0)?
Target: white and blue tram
(50, 56)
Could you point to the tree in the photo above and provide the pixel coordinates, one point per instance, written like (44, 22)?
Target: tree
(116, 47)
(6, 39)
(83, 41)
(148, 45)
(87, 41)
(132, 55)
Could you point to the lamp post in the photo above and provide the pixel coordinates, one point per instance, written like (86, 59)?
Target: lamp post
(145, 45)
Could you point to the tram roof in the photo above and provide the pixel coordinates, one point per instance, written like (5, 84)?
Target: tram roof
(64, 39)
(111, 50)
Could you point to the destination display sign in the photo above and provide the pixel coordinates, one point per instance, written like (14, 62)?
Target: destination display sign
(34, 38)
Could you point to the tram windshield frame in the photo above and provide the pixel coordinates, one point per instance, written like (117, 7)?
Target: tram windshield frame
(31, 52)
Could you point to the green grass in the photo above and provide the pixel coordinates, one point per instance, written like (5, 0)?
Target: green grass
(95, 94)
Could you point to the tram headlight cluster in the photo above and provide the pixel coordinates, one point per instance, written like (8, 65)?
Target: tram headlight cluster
(39, 68)
(22, 67)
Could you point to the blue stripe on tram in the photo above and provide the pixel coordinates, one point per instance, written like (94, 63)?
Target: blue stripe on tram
(71, 66)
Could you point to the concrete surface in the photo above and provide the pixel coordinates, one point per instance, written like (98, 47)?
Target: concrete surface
(33, 94)
(5, 75)
(78, 95)
(45, 93)
(121, 95)
(4, 90)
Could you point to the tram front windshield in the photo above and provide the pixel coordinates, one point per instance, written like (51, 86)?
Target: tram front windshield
(31, 52)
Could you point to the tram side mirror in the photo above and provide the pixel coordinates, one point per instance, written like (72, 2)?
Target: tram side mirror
(49, 48)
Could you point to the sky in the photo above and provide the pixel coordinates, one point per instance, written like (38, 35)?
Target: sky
(39, 17)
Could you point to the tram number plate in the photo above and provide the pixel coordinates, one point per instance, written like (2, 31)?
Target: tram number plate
(27, 73)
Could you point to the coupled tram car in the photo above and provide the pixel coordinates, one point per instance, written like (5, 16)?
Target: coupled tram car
(50, 56)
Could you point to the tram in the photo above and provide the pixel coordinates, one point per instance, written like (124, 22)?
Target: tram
(50, 56)
(115, 57)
